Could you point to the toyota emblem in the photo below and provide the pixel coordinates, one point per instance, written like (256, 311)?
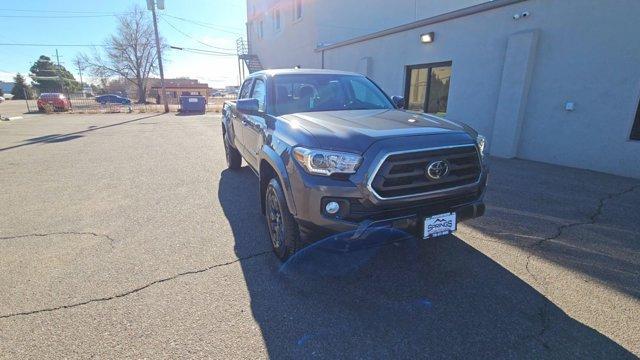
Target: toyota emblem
(437, 169)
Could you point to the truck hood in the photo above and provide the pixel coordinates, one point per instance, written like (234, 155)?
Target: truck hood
(356, 130)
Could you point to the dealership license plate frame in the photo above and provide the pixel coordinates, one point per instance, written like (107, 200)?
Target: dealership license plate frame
(448, 228)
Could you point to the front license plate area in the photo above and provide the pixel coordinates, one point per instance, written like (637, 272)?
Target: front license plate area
(439, 225)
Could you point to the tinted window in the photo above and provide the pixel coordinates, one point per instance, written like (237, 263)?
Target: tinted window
(246, 87)
(635, 131)
(259, 93)
(362, 93)
(439, 90)
(417, 89)
(326, 92)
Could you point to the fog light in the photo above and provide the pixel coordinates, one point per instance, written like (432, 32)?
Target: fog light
(332, 207)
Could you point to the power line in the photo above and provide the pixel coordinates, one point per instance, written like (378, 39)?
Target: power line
(202, 51)
(193, 38)
(59, 11)
(207, 25)
(34, 44)
(55, 17)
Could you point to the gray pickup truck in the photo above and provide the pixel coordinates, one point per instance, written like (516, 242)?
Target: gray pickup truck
(335, 154)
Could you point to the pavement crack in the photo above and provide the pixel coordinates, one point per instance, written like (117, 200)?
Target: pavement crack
(135, 290)
(112, 241)
(592, 219)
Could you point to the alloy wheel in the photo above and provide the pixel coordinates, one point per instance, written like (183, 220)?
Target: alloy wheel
(274, 218)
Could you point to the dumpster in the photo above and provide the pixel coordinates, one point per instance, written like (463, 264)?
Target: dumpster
(193, 103)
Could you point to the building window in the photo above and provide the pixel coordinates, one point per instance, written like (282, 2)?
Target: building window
(276, 20)
(635, 130)
(427, 88)
(297, 9)
(260, 29)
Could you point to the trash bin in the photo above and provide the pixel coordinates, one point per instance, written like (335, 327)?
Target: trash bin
(193, 103)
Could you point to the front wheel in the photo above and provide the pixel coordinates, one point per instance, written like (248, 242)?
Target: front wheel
(283, 228)
(234, 159)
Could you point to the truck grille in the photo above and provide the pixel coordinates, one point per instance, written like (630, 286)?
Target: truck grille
(405, 174)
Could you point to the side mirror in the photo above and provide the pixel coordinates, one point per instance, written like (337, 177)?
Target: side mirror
(247, 106)
(398, 101)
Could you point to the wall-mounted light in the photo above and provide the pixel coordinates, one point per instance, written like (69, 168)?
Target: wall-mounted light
(427, 38)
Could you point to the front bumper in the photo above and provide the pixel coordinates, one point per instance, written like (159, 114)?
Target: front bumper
(408, 220)
(361, 210)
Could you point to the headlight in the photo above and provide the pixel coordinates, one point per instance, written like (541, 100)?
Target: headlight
(481, 141)
(325, 162)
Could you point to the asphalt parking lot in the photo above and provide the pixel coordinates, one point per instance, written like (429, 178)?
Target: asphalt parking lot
(122, 235)
(15, 109)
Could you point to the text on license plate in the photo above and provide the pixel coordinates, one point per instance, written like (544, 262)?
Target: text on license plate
(439, 225)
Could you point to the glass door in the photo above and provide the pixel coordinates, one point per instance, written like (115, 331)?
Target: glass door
(427, 88)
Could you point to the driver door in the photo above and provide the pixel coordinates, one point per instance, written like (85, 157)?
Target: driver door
(255, 124)
(238, 119)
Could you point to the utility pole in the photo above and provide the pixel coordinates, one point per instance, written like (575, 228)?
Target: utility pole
(151, 5)
(57, 58)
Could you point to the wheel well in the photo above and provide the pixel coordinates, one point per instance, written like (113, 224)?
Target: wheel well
(267, 172)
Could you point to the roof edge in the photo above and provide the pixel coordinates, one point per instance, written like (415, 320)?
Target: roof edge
(486, 6)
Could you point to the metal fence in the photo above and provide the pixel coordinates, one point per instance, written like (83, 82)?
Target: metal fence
(82, 103)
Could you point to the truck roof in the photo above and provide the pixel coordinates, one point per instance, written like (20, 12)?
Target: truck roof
(273, 72)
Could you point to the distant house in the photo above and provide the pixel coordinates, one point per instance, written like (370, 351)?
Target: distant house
(6, 86)
(178, 87)
(232, 89)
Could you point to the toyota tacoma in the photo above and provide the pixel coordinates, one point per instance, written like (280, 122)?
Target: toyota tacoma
(335, 154)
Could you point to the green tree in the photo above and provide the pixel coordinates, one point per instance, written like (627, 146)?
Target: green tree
(50, 77)
(20, 88)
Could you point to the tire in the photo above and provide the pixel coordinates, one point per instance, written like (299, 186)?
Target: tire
(234, 159)
(282, 227)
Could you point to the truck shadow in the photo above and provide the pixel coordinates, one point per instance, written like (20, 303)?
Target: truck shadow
(412, 299)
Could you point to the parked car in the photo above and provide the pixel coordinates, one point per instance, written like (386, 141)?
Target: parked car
(1, 99)
(57, 100)
(112, 99)
(335, 154)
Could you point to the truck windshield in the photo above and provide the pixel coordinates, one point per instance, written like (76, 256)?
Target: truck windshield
(326, 92)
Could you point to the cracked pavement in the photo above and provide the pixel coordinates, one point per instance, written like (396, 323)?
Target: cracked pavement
(130, 241)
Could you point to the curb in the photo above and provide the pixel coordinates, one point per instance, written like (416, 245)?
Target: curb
(11, 118)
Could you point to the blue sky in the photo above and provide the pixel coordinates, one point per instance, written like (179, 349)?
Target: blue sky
(89, 22)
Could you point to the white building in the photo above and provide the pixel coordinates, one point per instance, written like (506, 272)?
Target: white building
(556, 81)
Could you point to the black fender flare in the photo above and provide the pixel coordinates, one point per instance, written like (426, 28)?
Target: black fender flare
(225, 127)
(276, 162)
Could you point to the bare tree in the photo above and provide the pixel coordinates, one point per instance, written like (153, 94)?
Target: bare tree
(130, 53)
(81, 65)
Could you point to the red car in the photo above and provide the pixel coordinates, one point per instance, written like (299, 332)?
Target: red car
(57, 100)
